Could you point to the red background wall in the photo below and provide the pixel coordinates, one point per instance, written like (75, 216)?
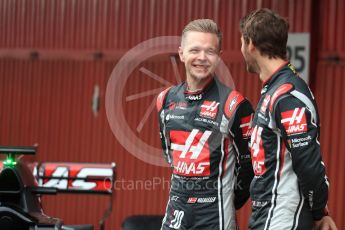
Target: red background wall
(53, 53)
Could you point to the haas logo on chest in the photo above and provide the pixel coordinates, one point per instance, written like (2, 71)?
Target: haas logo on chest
(209, 109)
(191, 154)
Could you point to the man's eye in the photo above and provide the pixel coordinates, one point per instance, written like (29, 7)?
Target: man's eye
(194, 51)
(211, 52)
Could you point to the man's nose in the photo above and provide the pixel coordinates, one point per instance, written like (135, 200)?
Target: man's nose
(202, 55)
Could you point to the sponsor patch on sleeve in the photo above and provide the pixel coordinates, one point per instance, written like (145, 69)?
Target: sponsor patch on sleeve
(246, 126)
(299, 142)
(234, 99)
(294, 121)
(265, 104)
(192, 200)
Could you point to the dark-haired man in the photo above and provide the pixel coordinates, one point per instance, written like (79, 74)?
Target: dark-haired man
(290, 188)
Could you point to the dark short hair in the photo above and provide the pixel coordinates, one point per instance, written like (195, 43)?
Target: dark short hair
(205, 26)
(268, 32)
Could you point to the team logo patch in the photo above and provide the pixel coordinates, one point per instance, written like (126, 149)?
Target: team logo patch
(294, 121)
(201, 200)
(193, 97)
(192, 200)
(209, 109)
(246, 126)
(191, 154)
(265, 104)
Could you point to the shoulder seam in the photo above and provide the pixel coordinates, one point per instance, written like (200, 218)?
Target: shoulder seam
(161, 98)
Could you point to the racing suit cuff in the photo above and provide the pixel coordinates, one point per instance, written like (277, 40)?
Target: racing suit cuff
(318, 214)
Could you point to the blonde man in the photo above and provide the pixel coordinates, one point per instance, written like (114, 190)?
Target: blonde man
(204, 129)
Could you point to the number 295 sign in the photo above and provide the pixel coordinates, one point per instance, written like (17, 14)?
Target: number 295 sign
(298, 52)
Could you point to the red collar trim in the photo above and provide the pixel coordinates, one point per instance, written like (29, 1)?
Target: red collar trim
(199, 91)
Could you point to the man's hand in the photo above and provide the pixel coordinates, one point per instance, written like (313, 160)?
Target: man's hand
(326, 223)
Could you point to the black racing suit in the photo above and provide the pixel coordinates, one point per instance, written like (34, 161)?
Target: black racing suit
(205, 137)
(290, 188)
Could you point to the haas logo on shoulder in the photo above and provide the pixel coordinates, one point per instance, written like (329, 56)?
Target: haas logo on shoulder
(294, 121)
(209, 109)
(191, 154)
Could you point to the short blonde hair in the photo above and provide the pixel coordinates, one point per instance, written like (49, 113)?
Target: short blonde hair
(205, 26)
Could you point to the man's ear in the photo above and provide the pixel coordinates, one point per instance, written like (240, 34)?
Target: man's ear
(180, 53)
(251, 46)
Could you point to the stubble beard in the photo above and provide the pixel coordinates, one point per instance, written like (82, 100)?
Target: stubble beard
(252, 67)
